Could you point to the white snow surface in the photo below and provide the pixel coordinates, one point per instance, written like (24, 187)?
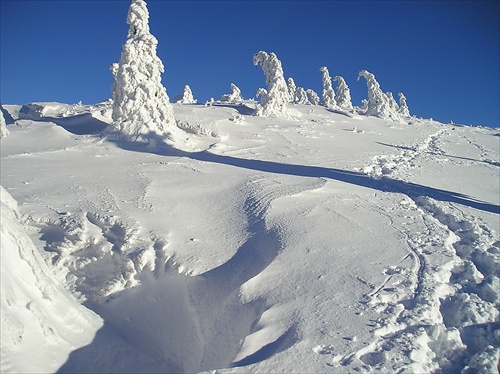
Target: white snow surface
(315, 243)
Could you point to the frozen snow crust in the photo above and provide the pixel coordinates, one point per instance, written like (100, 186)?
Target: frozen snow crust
(318, 243)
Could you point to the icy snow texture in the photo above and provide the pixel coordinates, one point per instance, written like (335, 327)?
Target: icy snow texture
(3, 127)
(313, 97)
(275, 99)
(343, 95)
(403, 107)
(234, 97)
(328, 93)
(186, 97)
(141, 104)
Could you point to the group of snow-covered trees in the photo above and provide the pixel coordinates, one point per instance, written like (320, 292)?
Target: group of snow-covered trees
(142, 107)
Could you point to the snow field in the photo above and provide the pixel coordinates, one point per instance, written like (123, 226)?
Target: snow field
(274, 244)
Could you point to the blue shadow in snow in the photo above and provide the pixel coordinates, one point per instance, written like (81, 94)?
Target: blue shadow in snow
(360, 179)
(384, 184)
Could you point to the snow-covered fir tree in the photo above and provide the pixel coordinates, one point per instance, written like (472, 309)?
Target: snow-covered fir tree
(186, 97)
(343, 94)
(4, 131)
(328, 92)
(301, 96)
(313, 97)
(298, 95)
(275, 99)
(292, 88)
(403, 107)
(234, 97)
(140, 102)
(392, 102)
(378, 103)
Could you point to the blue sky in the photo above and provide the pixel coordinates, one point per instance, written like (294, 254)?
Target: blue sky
(443, 55)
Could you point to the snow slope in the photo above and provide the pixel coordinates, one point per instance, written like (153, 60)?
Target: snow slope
(318, 242)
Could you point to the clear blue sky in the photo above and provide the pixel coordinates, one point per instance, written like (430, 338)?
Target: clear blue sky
(444, 55)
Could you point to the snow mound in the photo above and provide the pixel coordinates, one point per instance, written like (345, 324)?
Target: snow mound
(38, 315)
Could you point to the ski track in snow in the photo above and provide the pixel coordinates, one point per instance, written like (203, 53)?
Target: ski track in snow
(442, 315)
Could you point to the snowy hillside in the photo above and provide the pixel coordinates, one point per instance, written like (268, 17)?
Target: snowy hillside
(315, 242)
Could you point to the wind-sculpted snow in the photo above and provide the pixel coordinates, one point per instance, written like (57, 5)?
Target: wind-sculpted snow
(319, 243)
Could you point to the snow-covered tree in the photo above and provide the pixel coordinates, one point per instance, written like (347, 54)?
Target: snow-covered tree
(403, 107)
(292, 88)
(275, 99)
(378, 103)
(392, 102)
(301, 96)
(343, 95)
(313, 97)
(328, 92)
(297, 94)
(234, 97)
(3, 126)
(186, 97)
(140, 102)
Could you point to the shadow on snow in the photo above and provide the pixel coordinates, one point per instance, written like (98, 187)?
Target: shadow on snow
(383, 184)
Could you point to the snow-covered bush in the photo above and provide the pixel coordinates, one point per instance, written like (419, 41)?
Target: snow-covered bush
(234, 97)
(403, 107)
(328, 93)
(186, 97)
(275, 99)
(3, 126)
(313, 97)
(343, 95)
(140, 102)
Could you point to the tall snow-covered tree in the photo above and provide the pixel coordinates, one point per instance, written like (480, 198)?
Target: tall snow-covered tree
(140, 102)
(186, 97)
(403, 107)
(313, 97)
(328, 92)
(378, 103)
(392, 102)
(275, 99)
(292, 88)
(343, 94)
(4, 131)
(234, 97)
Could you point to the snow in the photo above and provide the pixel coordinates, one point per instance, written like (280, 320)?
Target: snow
(320, 242)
